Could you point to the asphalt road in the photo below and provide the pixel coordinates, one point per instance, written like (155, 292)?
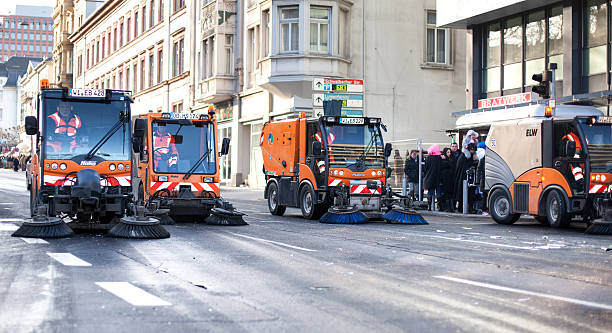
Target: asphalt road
(283, 274)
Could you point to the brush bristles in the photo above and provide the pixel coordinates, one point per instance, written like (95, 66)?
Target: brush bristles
(404, 217)
(43, 230)
(225, 219)
(599, 228)
(354, 217)
(145, 231)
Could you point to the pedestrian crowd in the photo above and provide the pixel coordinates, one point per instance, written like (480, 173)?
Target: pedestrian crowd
(15, 161)
(443, 174)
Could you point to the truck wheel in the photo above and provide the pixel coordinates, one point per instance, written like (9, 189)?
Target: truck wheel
(308, 198)
(273, 205)
(500, 208)
(556, 210)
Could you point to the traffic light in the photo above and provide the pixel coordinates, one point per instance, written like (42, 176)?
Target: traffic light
(542, 89)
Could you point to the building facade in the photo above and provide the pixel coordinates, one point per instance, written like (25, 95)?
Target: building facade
(63, 26)
(29, 88)
(10, 90)
(509, 41)
(27, 33)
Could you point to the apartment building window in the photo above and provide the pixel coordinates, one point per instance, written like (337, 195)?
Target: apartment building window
(128, 32)
(119, 80)
(108, 83)
(512, 53)
(160, 11)
(114, 82)
(177, 107)
(151, 69)
(19, 36)
(115, 39)
(103, 43)
(97, 51)
(127, 77)
(595, 39)
(87, 59)
(152, 13)
(178, 5)
(289, 29)
(229, 54)
(142, 74)
(160, 62)
(12, 36)
(135, 77)
(208, 52)
(135, 23)
(144, 19)
(121, 34)
(437, 41)
(79, 62)
(319, 29)
(265, 33)
(178, 57)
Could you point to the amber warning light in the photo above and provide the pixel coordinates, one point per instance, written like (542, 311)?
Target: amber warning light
(44, 84)
(548, 111)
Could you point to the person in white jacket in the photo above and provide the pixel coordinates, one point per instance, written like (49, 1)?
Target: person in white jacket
(470, 137)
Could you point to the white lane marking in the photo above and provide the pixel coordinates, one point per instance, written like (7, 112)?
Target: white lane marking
(68, 259)
(275, 243)
(8, 227)
(478, 242)
(11, 219)
(34, 240)
(132, 294)
(527, 292)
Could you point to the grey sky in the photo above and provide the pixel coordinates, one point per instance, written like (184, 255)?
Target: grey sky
(8, 6)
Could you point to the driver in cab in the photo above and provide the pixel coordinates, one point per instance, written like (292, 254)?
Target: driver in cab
(65, 125)
(165, 154)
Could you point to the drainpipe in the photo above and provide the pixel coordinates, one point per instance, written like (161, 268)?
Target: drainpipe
(192, 73)
(169, 62)
(363, 53)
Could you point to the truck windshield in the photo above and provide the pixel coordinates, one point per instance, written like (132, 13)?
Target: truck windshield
(72, 128)
(599, 145)
(177, 149)
(347, 144)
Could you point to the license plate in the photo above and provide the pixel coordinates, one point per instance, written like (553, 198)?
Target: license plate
(604, 120)
(86, 92)
(351, 121)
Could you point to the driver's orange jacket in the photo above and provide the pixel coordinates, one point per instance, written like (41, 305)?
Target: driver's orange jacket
(162, 147)
(330, 138)
(576, 167)
(62, 127)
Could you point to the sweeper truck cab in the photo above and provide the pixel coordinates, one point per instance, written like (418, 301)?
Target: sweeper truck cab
(81, 160)
(554, 164)
(177, 167)
(331, 161)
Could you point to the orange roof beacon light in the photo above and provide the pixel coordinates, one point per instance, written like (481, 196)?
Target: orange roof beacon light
(44, 84)
(548, 111)
(302, 115)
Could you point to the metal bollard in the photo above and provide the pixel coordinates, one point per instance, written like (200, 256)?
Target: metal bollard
(465, 196)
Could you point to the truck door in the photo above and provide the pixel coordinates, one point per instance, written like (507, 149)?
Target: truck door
(315, 162)
(570, 162)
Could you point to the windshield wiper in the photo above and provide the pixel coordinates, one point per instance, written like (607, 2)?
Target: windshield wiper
(361, 160)
(120, 123)
(197, 164)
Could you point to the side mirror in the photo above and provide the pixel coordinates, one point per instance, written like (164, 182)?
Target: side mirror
(570, 148)
(225, 145)
(316, 148)
(177, 139)
(137, 145)
(140, 126)
(31, 125)
(388, 149)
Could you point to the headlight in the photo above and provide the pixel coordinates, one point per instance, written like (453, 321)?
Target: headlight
(162, 178)
(603, 178)
(335, 172)
(63, 166)
(379, 172)
(341, 173)
(373, 173)
(597, 177)
(54, 166)
(47, 165)
(119, 166)
(112, 167)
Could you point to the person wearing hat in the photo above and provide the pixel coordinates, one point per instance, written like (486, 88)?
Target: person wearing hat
(470, 137)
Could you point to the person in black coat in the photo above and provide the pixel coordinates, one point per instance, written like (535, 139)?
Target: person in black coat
(447, 180)
(411, 170)
(431, 179)
(463, 164)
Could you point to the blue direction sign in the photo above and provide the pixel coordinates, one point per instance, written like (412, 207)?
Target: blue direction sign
(348, 100)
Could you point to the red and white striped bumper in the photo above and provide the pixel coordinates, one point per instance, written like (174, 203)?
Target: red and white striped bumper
(69, 181)
(363, 189)
(599, 188)
(195, 187)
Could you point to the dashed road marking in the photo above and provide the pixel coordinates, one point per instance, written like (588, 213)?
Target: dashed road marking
(68, 259)
(34, 240)
(478, 242)
(275, 243)
(527, 292)
(132, 294)
(8, 227)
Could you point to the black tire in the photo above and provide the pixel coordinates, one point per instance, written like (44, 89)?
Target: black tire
(500, 207)
(556, 210)
(308, 198)
(273, 206)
